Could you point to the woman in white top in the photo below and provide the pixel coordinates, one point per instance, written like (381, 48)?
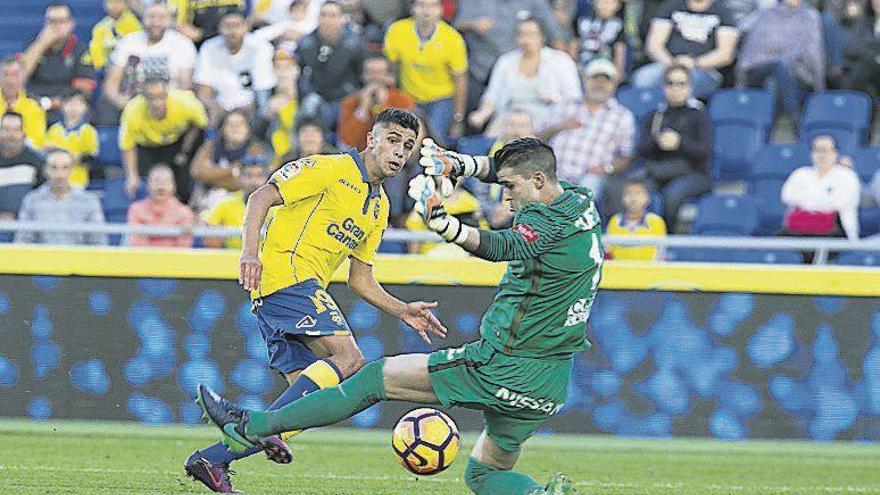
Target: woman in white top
(824, 187)
(533, 77)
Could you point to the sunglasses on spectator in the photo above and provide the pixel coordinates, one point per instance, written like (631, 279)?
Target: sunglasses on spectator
(676, 83)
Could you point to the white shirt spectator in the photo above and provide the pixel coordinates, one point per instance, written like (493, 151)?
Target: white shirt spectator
(171, 55)
(277, 31)
(837, 191)
(235, 77)
(279, 11)
(557, 81)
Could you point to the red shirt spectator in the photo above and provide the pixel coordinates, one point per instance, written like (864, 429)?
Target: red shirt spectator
(161, 208)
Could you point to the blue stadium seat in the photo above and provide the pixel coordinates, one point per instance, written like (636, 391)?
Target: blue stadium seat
(858, 258)
(115, 204)
(846, 115)
(742, 120)
(726, 215)
(109, 155)
(771, 209)
(869, 221)
(867, 162)
(475, 145)
(778, 161)
(641, 102)
(732, 255)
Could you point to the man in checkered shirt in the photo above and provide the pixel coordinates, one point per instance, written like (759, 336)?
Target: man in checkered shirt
(594, 137)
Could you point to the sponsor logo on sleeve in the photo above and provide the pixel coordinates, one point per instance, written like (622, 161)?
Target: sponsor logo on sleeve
(527, 232)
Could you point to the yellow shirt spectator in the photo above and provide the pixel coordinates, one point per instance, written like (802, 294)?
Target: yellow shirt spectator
(426, 68)
(81, 141)
(650, 225)
(229, 212)
(107, 33)
(33, 115)
(283, 133)
(330, 212)
(137, 128)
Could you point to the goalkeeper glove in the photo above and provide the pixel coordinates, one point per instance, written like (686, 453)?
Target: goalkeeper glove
(439, 161)
(429, 205)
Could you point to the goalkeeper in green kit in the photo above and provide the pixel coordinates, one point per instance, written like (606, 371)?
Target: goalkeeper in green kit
(519, 370)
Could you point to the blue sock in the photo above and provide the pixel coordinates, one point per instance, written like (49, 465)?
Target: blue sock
(319, 373)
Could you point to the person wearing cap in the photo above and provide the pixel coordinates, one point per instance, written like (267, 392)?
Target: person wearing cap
(594, 137)
(229, 211)
(234, 70)
(676, 143)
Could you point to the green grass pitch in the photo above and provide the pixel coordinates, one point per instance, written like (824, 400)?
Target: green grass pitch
(122, 458)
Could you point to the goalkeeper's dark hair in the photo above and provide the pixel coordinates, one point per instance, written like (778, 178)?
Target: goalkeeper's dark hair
(398, 116)
(527, 155)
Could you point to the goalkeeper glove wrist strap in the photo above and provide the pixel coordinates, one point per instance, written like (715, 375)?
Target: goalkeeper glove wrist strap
(474, 166)
(454, 231)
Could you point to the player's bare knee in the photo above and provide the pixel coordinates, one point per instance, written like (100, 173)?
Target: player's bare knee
(348, 360)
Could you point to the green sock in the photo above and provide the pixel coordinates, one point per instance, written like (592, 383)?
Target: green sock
(484, 479)
(323, 407)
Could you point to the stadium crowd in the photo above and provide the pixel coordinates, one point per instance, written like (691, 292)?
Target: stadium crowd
(205, 99)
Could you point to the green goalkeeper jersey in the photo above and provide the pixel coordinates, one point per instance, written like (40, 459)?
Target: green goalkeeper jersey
(544, 299)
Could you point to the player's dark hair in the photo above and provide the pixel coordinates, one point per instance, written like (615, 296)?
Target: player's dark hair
(527, 155)
(399, 116)
(12, 115)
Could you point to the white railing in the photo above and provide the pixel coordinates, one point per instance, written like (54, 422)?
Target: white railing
(821, 245)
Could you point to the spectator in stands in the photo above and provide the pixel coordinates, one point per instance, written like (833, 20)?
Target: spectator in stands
(332, 59)
(161, 126)
(59, 201)
(218, 162)
(534, 77)
(860, 42)
(281, 110)
(310, 140)
(676, 143)
(784, 50)
(287, 33)
(518, 123)
(359, 110)
(599, 33)
(432, 58)
(56, 60)
(229, 212)
(156, 51)
(698, 34)
(199, 20)
(75, 135)
(489, 28)
(19, 165)
(593, 138)
(277, 11)
(120, 22)
(822, 199)
(234, 70)
(161, 208)
(635, 220)
(14, 99)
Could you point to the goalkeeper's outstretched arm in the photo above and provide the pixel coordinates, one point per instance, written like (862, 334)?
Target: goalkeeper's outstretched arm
(519, 243)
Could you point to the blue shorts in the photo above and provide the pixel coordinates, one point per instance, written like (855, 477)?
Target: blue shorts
(304, 309)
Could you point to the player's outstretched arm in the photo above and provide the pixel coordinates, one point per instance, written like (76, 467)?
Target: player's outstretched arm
(415, 314)
(250, 270)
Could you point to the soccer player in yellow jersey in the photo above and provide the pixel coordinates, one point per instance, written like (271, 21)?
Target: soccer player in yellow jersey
(330, 207)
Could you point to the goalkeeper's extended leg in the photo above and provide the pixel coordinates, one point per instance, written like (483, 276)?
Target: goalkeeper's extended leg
(397, 378)
(488, 472)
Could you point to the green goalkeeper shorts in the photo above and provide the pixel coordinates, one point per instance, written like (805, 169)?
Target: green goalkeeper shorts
(517, 395)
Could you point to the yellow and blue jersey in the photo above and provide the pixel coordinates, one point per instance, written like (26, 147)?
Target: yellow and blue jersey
(650, 225)
(81, 141)
(330, 212)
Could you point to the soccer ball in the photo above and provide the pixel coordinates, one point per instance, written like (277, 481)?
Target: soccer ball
(425, 441)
